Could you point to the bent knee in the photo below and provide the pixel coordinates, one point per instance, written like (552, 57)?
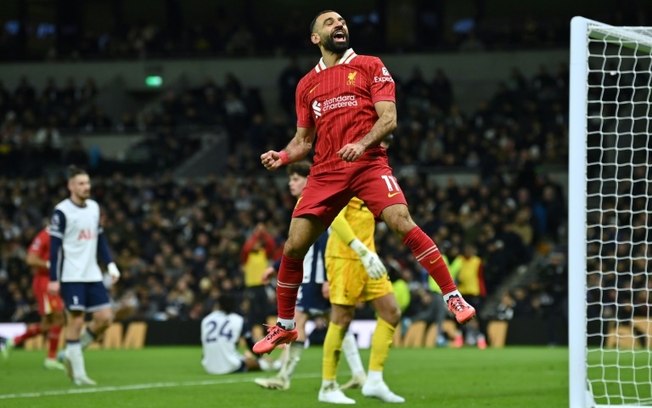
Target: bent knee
(295, 249)
(398, 219)
(103, 318)
(391, 315)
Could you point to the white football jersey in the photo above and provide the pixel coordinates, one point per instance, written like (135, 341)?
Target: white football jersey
(78, 228)
(220, 334)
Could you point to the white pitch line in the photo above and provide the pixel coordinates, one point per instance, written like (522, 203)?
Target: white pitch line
(136, 387)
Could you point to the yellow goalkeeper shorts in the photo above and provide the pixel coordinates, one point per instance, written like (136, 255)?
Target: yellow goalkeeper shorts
(349, 283)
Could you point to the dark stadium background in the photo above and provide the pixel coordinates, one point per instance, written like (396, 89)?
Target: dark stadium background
(168, 104)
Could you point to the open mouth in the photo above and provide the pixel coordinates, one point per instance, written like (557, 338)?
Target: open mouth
(339, 35)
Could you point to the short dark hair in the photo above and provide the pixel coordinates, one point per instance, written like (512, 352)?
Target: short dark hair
(74, 171)
(314, 20)
(226, 303)
(301, 168)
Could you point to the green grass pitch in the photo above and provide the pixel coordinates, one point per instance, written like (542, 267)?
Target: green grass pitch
(172, 377)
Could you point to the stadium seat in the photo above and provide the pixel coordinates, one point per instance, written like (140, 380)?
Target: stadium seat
(644, 325)
(497, 333)
(415, 335)
(113, 337)
(431, 335)
(450, 328)
(135, 336)
(622, 337)
(35, 343)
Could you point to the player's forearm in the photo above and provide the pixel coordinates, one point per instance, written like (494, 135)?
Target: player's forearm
(296, 150)
(385, 125)
(34, 261)
(103, 249)
(56, 247)
(342, 228)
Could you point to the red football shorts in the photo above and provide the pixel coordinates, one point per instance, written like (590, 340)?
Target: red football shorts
(371, 181)
(47, 303)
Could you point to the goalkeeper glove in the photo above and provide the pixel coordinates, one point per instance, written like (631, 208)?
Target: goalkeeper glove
(114, 272)
(370, 260)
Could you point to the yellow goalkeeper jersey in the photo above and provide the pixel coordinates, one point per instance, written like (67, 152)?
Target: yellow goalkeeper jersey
(362, 223)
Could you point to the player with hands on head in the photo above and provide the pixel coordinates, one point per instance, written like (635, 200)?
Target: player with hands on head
(349, 101)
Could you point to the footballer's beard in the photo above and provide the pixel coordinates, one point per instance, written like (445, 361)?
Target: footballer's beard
(84, 195)
(330, 45)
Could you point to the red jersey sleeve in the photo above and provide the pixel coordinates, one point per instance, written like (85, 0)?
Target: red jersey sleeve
(40, 246)
(382, 83)
(304, 112)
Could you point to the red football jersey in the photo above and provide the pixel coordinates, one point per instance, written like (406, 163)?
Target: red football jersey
(339, 102)
(40, 246)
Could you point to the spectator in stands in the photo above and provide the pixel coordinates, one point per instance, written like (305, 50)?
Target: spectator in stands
(441, 90)
(48, 141)
(152, 223)
(287, 84)
(76, 154)
(241, 43)
(468, 270)
(257, 254)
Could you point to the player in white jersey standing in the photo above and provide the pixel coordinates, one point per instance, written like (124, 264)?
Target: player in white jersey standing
(221, 331)
(76, 241)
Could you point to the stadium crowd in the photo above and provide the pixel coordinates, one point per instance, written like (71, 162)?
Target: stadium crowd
(178, 241)
(236, 33)
(180, 30)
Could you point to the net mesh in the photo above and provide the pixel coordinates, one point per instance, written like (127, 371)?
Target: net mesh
(619, 221)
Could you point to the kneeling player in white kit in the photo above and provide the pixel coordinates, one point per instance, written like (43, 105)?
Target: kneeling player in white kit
(221, 331)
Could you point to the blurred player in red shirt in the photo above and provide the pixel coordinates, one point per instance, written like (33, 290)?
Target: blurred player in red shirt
(50, 307)
(345, 107)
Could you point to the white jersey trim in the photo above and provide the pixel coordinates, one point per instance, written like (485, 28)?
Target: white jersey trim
(346, 58)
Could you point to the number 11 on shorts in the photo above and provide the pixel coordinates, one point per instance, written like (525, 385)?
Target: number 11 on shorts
(392, 184)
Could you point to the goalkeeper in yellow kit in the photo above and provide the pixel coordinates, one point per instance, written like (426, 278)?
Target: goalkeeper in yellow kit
(351, 283)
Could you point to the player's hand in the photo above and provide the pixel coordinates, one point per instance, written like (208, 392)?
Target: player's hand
(267, 275)
(114, 272)
(370, 260)
(271, 160)
(53, 287)
(351, 152)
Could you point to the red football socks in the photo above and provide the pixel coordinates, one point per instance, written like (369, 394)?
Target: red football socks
(427, 254)
(290, 275)
(32, 330)
(53, 341)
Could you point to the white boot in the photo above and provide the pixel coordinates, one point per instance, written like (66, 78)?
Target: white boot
(331, 394)
(356, 381)
(274, 383)
(380, 390)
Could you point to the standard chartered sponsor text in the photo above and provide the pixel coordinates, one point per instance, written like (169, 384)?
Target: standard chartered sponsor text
(341, 101)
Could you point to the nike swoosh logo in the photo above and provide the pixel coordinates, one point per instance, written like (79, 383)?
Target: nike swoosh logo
(390, 195)
(315, 87)
(435, 260)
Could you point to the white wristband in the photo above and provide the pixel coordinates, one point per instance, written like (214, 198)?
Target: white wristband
(113, 270)
(358, 247)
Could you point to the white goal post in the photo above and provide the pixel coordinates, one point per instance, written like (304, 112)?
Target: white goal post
(610, 215)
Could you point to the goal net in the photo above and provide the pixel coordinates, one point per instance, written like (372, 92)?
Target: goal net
(610, 213)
